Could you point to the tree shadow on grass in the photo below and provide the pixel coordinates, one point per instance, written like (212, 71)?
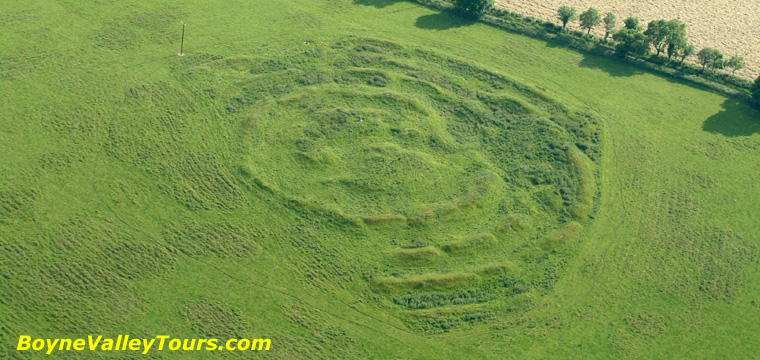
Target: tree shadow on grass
(735, 119)
(613, 66)
(442, 21)
(610, 66)
(377, 3)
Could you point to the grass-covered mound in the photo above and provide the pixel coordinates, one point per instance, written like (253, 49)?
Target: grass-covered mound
(405, 144)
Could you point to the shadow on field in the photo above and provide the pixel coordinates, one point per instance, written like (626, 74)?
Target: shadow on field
(442, 21)
(736, 119)
(609, 66)
(377, 3)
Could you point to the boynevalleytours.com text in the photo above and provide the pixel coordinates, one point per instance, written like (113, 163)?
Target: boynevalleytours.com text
(143, 345)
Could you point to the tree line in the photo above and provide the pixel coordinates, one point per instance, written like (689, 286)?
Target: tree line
(661, 36)
(667, 37)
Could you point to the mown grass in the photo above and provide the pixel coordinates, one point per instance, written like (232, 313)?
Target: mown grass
(257, 187)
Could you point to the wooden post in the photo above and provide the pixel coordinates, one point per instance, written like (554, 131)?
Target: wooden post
(182, 44)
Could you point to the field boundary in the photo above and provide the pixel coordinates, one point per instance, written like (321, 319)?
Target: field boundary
(597, 48)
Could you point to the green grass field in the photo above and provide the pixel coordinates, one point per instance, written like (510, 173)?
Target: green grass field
(408, 185)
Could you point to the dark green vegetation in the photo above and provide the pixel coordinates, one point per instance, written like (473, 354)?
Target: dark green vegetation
(473, 7)
(630, 41)
(590, 19)
(710, 57)
(566, 14)
(610, 23)
(407, 185)
(735, 63)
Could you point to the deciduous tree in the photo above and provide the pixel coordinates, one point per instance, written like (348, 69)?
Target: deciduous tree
(632, 23)
(718, 62)
(610, 21)
(709, 57)
(657, 32)
(590, 19)
(631, 42)
(473, 7)
(736, 63)
(676, 38)
(565, 14)
(687, 51)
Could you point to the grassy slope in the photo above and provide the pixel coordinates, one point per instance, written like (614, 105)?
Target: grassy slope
(678, 176)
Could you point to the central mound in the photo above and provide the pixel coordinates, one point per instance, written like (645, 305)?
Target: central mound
(368, 128)
(466, 183)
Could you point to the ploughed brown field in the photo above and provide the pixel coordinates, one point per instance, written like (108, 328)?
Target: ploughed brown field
(731, 26)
